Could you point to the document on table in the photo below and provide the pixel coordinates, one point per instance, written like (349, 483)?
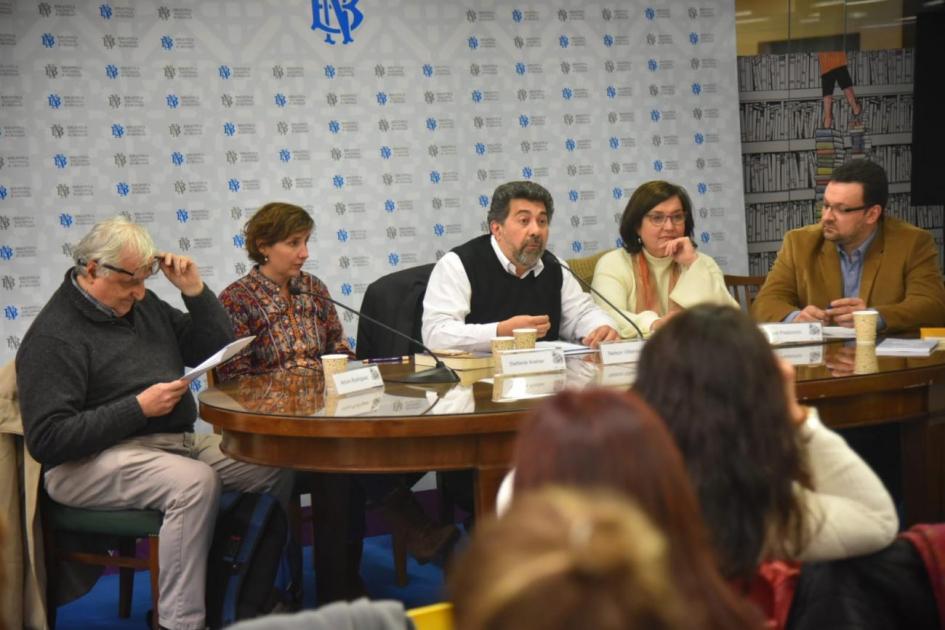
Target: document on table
(839, 332)
(224, 354)
(906, 347)
(568, 348)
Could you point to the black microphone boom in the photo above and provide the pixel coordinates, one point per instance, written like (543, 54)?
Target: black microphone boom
(597, 293)
(440, 373)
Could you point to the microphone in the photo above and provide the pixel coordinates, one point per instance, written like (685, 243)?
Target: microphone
(440, 373)
(598, 294)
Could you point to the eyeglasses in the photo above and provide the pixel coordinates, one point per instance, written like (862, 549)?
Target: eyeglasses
(824, 207)
(137, 275)
(659, 219)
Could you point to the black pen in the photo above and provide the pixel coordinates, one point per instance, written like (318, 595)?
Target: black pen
(403, 359)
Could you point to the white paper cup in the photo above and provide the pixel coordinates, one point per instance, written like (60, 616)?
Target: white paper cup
(499, 344)
(525, 338)
(333, 364)
(864, 323)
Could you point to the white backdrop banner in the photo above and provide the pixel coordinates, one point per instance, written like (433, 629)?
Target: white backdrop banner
(391, 122)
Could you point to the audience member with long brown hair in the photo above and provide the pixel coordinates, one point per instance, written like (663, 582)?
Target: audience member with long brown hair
(610, 439)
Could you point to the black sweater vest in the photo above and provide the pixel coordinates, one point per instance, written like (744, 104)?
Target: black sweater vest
(498, 295)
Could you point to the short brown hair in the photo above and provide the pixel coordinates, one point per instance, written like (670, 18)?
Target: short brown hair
(272, 223)
(646, 197)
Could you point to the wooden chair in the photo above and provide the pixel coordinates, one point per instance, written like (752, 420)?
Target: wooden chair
(127, 525)
(433, 617)
(584, 267)
(744, 289)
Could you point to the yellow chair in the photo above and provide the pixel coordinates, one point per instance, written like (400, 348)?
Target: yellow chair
(584, 267)
(744, 289)
(433, 617)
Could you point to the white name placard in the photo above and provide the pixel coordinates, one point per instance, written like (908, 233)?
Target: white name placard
(802, 355)
(621, 351)
(355, 405)
(621, 375)
(806, 332)
(532, 361)
(506, 387)
(357, 380)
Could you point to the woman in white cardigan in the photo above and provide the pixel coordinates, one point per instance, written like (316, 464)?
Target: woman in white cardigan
(657, 272)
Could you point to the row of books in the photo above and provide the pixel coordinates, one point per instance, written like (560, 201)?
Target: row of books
(896, 159)
(773, 172)
(802, 70)
(769, 221)
(760, 263)
(928, 217)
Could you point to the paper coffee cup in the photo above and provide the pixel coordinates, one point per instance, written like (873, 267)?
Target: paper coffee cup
(501, 343)
(333, 364)
(865, 362)
(864, 324)
(525, 338)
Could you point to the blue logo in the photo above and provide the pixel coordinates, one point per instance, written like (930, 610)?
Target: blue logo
(435, 177)
(105, 11)
(701, 188)
(393, 258)
(342, 235)
(523, 121)
(576, 247)
(618, 193)
(233, 184)
(3, 192)
(11, 312)
(516, 15)
(473, 42)
(330, 71)
(657, 165)
(567, 93)
(438, 229)
(346, 289)
(60, 160)
(608, 40)
(196, 385)
(334, 126)
(167, 42)
(563, 41)
(699, 138)
(427, 70)
(338, 181)
(172, 101)
(573, 195)
(386, 152)
(182, 215)
(65, 220)
(614, 142)
(569, 144)
(54, 101)
(519, 68)
(611, 91)
(280, 99)
(652, 66)
(336, 17)
(649, 13)
(6, 252)
(48, 40)
(693, 38)
(618, 243)
(696, 88)
(229, 128)
(381, 98)
(527, 172)
(704, 237)
(122, 189)
(224, 72)
(389, 206)
(655, 115)
(239, 241)
(353, 342)
(111, 71)
(480, 148)
(285, 155)
(431, 124)
(484, 201)
(177, 158)
(476, 96)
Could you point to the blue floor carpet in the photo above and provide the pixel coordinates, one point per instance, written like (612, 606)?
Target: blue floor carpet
(98, 610)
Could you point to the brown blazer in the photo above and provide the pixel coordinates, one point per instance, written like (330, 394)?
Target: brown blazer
(901, 277)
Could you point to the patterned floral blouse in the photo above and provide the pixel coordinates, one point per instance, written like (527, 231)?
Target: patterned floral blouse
(289, 334)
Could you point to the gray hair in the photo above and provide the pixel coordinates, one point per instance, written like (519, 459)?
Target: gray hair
(504, 194)
(109, 239)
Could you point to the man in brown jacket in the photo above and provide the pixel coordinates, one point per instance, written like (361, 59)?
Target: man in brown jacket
(854, 259)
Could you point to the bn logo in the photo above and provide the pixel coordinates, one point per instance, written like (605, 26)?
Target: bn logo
(336, 17)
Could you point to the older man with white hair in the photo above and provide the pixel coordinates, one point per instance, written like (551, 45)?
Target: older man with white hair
(106, 412)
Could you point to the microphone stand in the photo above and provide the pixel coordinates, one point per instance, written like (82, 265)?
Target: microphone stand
(440, 373)
(588, 287)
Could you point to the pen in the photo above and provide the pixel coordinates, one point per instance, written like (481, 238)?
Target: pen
(403, 359)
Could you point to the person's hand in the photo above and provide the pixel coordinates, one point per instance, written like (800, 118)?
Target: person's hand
(841, 362)
(161, 398)
(841, 311)
(599, 334)
(662, 321)
(796, 411)
(541, 323)
(811, 313)
(182, 272)
(682, 250)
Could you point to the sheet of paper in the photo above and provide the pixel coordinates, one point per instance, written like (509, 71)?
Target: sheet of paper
(906, 347)
(224, 354)
(567, 347)
(839, 332)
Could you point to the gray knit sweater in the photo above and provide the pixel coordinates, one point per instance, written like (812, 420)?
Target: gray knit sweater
(79, 369)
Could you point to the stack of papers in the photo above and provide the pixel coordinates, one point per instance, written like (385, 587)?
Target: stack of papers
(568, 348)
(906, 347)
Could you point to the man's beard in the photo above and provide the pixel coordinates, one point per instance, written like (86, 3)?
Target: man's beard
(528, 258)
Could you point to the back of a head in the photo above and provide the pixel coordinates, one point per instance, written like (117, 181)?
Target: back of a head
(713, 378)
(560, 559)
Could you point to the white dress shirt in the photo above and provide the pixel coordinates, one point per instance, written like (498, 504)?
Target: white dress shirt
(449, 295)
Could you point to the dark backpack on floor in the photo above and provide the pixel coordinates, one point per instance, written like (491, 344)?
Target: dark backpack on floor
(254, 566)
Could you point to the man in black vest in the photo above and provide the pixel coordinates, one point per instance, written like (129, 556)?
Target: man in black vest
(497, 282)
